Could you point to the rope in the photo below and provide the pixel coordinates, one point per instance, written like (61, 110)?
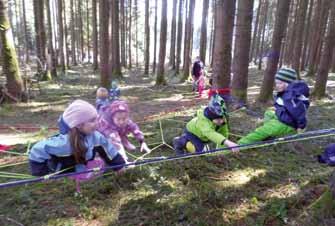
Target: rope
(292, 138)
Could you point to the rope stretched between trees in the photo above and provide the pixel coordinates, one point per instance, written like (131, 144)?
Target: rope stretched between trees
(281, 140)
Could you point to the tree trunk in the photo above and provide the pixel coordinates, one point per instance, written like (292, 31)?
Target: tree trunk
(225, 13)
(252, 49)
(241, 50)
(81, 30)
(300, 33)
(189, 38)
(307, 36)
(147, 39)
(51, 52)
(73, 36)
(88, 32)
(136, 31)
(95, 35)
(123, 39)
(333, 62)
(67, 48)
(321, 11)
(10, 64)
(203, 37)
(26, 42)
(155, 40)
(104, 42)
(273, 58)
(172, 61)
(211, 41)
(115, 45)
(326, 58)
(130, 35)
(179, 35)
(265, 19)
(185, 30)
(160, 79)
(214, 31)
(61, 35)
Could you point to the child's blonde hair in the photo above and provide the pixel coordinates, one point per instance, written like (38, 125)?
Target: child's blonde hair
(102, 92)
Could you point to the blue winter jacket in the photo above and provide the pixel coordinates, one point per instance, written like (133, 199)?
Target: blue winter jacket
(59, 146)
(292, 104)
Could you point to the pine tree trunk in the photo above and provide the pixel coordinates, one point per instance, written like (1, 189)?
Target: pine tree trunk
(278, 33)
(155, 40)
(185, 30)
(73, 36)
(10, 64)
(104, 42)
(179, 35)
(26, 42)
(211, 41)
(67, 48)
(130, 35)
(61, 35)
(259, 33)
(81, 30)
(147, 39)
(241, 50)
(123, 40)
(225, 13)
(252, 49)
(203, 37)
(333, 62)
(260, 60)
(115, 45)
(95, 35)
(160, 79)
(306, 36)
(326, 58)
(136, 31)
(88, 32)
(172, 61)
(51, 51)
(214, 32)
(189, 38)
(300, 33)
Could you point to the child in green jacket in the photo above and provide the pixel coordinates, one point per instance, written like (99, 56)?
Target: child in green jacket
(210, 124)
(290, 108)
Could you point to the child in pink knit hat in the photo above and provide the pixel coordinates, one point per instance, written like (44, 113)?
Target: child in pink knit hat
(114, 123)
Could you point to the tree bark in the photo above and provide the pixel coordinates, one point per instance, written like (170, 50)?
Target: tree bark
(241, 50)
(265, 19)
(73, 36)
(51, 52)
(172, 61)
(272, 64)
(123, 37)
(203, 36)
(179, 35)
(10, 64)
(326, 58)
(155, 40)
(129, 36)
(188, 38)
(147, 38)
(307, 36)
(26, 42)
(115, 45)
(104, 42)
(95, 35)
(225, 13)
(61, 35)
(160, 79)
(252, 49)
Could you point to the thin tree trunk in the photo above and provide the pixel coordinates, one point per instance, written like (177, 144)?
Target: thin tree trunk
(81, 30)
(10, 64)
(260, 60)
(73, 36)
(88, 32)
(61, 35)
(225, 14)
(327, 54)
(67, 48)
(306, 36)
(155, 39)
(26, 44)
(203, 37)
(272, 64)
(179, 36)
(147, 39)
(115, 45)
(123, 30)
(95, 35)
(292, 34)
(51, 52)
(172, 61)
(189, 38)
(136, 31)
(300, 33)
(104, 42)
(130, 35)
(252, 49)
(160, 79)
(214, 31)
(241, 50)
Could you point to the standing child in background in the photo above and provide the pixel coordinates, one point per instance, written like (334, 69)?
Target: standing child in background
(101, 98)
(79, 144)
(115, 124)
(198, 77)
(210, 124)
(114, 92)
(290, 109)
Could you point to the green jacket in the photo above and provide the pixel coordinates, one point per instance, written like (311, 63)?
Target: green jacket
(206, 130)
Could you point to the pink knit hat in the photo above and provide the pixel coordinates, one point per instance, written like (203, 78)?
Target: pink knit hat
(79, 112)
(108, 111)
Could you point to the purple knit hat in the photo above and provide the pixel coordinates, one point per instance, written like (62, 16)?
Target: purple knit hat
(116, 106)
(79, 112)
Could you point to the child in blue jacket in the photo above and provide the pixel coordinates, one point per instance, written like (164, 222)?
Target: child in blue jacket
(78, 144)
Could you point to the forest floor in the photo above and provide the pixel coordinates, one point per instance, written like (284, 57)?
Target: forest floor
(265, 186)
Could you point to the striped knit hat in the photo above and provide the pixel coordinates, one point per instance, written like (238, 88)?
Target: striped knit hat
(287, 75)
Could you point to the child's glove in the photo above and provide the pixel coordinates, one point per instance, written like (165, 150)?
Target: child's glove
(145, 147)
(299, 130)
(231, 145)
